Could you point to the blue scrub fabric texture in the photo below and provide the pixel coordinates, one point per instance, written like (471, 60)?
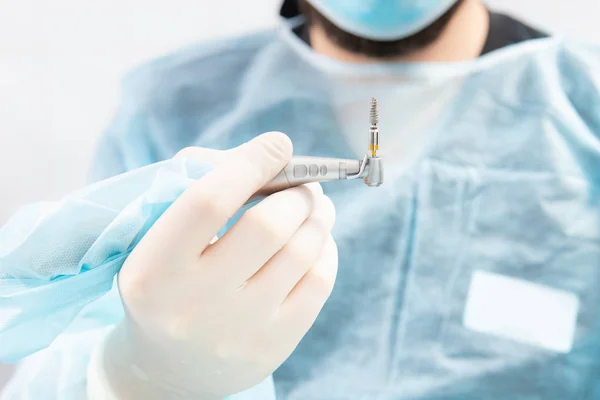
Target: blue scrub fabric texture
(505, 182)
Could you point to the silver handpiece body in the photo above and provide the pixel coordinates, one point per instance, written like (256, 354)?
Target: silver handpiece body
(302, 170)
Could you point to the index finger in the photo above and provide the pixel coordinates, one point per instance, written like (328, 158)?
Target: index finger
(188, 226)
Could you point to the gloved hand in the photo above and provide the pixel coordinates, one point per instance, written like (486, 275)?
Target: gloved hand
(208, 319)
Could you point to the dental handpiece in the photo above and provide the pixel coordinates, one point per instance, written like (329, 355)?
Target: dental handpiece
(302, 170)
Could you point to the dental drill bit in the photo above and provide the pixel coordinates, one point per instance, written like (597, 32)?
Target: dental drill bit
(301, 170)
(374, 177)
(374, 129)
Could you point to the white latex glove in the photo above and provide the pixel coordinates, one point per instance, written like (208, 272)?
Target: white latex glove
(208, 320)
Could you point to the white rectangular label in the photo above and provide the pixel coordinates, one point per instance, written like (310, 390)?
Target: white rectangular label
(521, 311)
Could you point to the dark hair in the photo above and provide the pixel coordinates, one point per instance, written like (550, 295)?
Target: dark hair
(376, 48)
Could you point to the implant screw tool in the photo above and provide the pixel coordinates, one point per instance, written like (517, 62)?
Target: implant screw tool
(375, 176)
(374, 130)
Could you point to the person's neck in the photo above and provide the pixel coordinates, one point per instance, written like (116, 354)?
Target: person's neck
(463, 39)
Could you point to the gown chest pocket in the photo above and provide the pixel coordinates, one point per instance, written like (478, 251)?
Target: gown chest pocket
(519, 275)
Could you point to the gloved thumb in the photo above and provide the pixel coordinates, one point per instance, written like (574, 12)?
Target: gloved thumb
(210, 156)
(276, 144)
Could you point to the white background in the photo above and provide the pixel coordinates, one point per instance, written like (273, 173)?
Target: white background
(60, 62)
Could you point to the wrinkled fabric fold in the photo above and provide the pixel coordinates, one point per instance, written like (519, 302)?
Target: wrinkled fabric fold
(58, 257)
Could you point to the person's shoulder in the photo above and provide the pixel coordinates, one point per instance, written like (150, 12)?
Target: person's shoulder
(207, 67)
(577, 53)
(574, 64)
(567, 70)
(166, 103)
(565, 53)
(555, 60)
(557, 76)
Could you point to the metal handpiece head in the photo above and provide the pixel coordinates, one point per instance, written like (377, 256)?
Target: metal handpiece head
(374, 172)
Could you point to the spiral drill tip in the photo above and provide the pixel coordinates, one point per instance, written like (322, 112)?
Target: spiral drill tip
(374, 116)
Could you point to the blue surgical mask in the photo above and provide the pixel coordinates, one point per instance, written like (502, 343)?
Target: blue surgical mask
(382, 19)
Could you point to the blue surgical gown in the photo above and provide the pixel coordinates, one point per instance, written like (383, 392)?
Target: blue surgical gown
(503, 184)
